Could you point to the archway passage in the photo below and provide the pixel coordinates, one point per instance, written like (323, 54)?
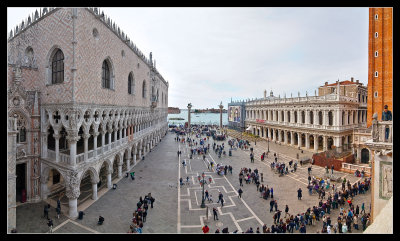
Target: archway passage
(320, 143)
(330, 143)
(365, 156)
(21, 182)
(311, 140)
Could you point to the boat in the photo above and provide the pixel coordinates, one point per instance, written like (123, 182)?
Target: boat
(176, 118)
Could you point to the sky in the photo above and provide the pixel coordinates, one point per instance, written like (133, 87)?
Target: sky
(209, 55)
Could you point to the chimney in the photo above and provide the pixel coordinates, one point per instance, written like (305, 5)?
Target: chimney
(352, 79)
(326, 83)
(357, 81)
(265, 94)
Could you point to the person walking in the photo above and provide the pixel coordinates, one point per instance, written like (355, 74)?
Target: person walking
(206, 194)
(220, 196)
(241, 181)
(332, 167)
(58, 212)
(132, 175)
(299, 194)
(240, 191)
(205, 229)
(271, 204)
(215, 212)
(362, 208)
(287, 211)
(50, 224)
(46, 211)
(144, 215)
(59, 203)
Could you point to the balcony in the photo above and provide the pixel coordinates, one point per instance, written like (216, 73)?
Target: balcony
(64, 157)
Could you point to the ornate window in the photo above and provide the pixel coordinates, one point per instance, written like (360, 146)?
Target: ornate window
(131, 84)
(144, 89)
(295, 117)
(320, 117)
(57, 64)
(21, 123)
(330, 117)
(106, 75)
(311, 117)
(303, 117)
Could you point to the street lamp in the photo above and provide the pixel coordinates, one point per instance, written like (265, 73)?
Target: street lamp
(203, 205)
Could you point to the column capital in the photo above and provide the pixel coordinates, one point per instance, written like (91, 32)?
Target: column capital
(73, 136)
(72, 185)
(86, 136)
(56, 136)
(96, 133)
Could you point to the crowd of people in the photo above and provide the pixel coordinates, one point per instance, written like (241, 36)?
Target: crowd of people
(330, 196)
(140, 214)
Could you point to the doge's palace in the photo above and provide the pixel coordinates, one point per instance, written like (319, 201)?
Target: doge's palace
(84, 105)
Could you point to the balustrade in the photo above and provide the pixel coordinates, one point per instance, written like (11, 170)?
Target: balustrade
(379, 131)
(353, 168)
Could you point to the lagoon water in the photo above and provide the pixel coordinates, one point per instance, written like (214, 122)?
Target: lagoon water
(198, 118)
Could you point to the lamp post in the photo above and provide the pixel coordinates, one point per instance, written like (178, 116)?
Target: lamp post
(203, 205)
(268, 144)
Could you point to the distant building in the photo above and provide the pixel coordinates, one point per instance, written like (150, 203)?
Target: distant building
(236, 115)
(315, 123)
(174, 110)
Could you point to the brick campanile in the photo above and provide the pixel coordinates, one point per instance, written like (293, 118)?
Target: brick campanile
(380, 62)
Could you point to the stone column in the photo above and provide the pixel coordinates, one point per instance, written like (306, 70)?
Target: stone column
(94, 190)
(307, 141)
(95, 135)
(134, 159)
(358, 159)
(128, 160)
(115, 134)
(338, 117)
(103, 139)
(11, 177)
(109, 137)
(285, 140)
(325, 118)
(189, 106)
(85, 144)
(109, 184)
(316, 143)
(73, 192)
(119, 170)
(307, 116)
(345, 146)
(120, 133)
(292, 138)
(338, 143)
(325, 141)
(298, 139)
(44, 144)
(72, 138)
(57, 136)
(315, 115)
(220, 115)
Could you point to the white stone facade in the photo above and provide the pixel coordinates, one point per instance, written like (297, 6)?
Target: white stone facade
(314, 123)
(77, 127)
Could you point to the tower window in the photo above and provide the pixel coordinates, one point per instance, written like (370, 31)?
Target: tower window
(376, 73)
(376, 16)
(376, 53)
(376, 34)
